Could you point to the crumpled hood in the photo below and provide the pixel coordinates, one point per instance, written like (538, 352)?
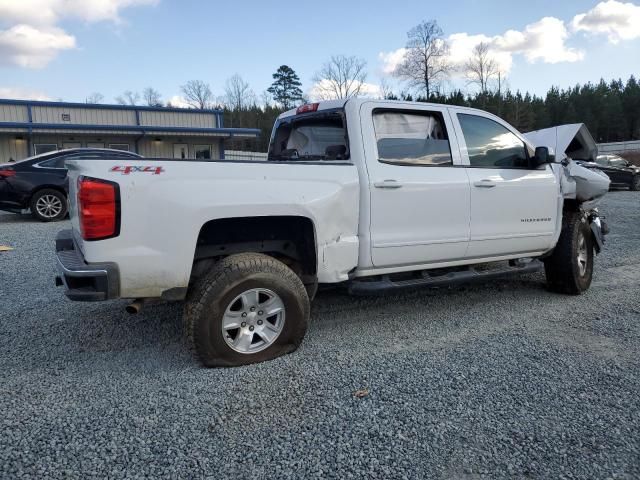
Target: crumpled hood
(571, 140)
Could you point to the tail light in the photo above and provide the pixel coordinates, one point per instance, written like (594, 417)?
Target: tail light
(7, 173)
(98, 208)
(307, 107)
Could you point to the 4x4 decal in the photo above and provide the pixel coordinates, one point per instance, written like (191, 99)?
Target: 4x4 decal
(127, 169)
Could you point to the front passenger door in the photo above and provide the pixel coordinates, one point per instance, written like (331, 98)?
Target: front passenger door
(514, 207)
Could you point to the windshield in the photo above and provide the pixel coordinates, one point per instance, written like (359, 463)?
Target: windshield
(618, 162)
(317, 136)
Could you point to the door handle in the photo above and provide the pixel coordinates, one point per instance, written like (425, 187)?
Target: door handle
(484, 183)
(387, 184)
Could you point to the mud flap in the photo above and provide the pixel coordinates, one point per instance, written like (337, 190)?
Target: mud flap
(598, 229)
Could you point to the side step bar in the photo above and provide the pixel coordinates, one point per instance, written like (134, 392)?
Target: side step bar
(385, 284)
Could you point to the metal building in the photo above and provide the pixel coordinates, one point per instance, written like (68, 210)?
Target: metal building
(32, 127)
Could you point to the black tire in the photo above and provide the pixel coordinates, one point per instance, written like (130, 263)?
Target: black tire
(211, 295)
(312, 290)
(635, 183)
(563, 268)
(40, 212)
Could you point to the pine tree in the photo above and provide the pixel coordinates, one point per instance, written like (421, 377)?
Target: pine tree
(286, 87)
(631, 106)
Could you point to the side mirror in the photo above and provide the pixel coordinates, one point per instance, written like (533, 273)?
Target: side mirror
(542, 156)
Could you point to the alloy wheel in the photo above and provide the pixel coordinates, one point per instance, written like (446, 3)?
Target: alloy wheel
(253, 320)
(49, 206)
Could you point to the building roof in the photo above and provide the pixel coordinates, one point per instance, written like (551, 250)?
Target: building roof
(26, 116)
(106, 106)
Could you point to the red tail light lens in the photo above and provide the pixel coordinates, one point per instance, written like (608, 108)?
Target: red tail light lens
(98, 208)
(7, 173)
(307, 107)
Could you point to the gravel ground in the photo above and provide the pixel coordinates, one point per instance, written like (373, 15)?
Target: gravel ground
(495, 380)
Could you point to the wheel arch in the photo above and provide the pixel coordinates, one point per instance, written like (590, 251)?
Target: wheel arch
(45, 186)
(290, 238)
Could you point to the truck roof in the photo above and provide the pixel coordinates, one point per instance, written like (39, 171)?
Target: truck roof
(340, 103)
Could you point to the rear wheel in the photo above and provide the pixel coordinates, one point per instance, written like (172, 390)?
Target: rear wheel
(249, 308)
(48, 205)
(570, 268)
(635, 183)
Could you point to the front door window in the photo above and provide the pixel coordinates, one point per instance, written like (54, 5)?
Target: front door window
(490, 145)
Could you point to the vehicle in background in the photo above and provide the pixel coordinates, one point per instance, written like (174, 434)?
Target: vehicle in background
(372, 195)
(623, 174)
(575, 142)
(39, 184)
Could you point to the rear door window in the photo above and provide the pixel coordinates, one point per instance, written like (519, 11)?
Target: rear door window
(410, 138)
(57, 162)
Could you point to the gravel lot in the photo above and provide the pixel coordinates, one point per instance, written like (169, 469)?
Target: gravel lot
(502, 379)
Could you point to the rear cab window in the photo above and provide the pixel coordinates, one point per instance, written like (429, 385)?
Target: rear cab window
(320, 135)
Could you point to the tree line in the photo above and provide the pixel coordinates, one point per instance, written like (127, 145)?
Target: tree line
(611, 110)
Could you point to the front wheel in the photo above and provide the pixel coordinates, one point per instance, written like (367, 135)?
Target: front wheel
(570, 268)
(249, 308)
(48, 205)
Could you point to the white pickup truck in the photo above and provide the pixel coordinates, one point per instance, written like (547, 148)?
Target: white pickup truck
(372, 195)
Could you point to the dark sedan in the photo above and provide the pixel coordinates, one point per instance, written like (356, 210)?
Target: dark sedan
(622, 173)
(40, 183)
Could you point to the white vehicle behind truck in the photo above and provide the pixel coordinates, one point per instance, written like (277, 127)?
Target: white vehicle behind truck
(372, 195)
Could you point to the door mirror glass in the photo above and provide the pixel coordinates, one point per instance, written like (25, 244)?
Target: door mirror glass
(542, 156)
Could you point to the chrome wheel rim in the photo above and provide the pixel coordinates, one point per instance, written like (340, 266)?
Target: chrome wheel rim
(583, 256)
(253, 320)
(49, 206)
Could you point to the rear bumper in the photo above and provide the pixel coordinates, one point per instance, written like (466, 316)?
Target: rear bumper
(84, 282)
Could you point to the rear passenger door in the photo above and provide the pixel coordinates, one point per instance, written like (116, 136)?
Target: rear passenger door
(419, 197)
(514, 207)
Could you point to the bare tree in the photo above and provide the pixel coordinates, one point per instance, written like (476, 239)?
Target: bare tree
(340, 77)
(481, 67)
(238, 94)
(95, 97)
(197, 94)
(267, 99)
(152, 97)
(386, 92)
(426, 62)
(128, 98)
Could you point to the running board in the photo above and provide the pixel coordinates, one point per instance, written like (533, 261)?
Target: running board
(385, 284)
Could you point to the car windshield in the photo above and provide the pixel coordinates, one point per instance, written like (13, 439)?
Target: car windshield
(317, 136)
(618, 162)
